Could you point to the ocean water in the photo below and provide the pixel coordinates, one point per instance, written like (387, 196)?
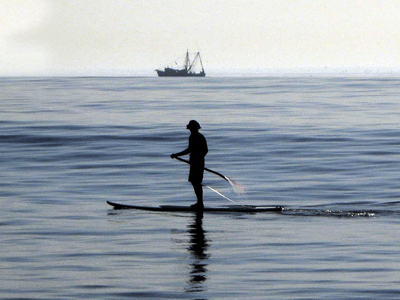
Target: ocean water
(327, 149)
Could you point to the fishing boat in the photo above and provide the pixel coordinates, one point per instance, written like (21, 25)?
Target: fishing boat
(187, 70)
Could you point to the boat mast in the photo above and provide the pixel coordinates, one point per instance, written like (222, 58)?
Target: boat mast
(193, 63)
(187, 61)
(201, 63)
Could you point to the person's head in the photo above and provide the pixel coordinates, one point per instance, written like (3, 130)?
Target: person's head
(193, 125)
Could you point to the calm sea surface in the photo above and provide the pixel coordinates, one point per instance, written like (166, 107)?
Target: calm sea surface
(326, 149)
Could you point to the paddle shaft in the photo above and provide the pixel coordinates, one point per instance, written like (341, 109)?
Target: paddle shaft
(208, 170)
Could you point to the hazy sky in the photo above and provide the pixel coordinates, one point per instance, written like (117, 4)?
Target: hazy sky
(128, 37)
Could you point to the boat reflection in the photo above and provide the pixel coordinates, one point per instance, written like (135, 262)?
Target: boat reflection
(198, 245)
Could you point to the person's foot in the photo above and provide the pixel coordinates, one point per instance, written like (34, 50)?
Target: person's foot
(197, 207)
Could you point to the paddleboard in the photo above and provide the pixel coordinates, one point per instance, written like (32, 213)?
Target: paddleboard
(224, 209)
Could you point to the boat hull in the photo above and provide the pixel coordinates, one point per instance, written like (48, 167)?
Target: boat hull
(178, 73)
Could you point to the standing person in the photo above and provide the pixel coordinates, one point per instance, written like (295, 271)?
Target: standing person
(197, 149)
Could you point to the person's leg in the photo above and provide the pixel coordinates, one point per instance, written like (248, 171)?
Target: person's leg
(195, 178)
(198, 190)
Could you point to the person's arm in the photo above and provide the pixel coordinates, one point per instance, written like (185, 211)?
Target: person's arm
(184, 152)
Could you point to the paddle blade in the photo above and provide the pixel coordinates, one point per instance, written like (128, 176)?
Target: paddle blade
(238, 188)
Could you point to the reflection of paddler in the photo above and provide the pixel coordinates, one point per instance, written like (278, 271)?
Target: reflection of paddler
(197, 149)
(198, 243)
(198, 249)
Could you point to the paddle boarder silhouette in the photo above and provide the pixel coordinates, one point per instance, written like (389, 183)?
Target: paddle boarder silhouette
(197, 149)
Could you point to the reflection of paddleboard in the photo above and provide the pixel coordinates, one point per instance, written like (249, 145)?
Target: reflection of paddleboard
(225, 209)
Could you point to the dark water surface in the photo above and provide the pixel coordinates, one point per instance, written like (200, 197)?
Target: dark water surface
(327, 149)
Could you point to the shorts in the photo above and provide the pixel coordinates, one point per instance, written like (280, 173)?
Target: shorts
(196, 172)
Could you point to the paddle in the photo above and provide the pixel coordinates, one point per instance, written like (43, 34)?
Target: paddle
(238, 188)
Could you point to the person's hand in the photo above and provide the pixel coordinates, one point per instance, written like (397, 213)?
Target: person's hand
(173, 155)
